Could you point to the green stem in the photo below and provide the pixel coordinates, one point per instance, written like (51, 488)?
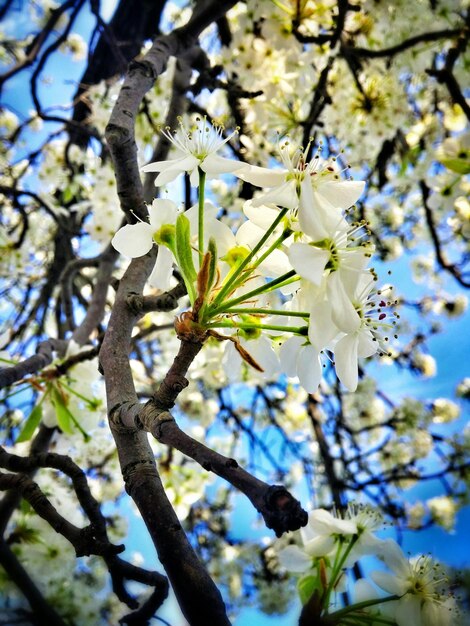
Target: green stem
(364, 605)
(254, 311)
(21, 389)
(200, 215)
(91, 403)
(298, 330)
(229, 285)
(8, 361)
(284, 235)
(255, 292)
(338, 566)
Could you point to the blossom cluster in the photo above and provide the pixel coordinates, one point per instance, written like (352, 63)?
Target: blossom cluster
(418, 588)
(294, 273)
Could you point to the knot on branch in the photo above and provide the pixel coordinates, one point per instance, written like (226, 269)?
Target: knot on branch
(143, 67)
(116, 135)
(151, 417)
(138, 473)
(127, 410)
(282, 512)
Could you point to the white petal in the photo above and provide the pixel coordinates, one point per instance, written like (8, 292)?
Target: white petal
(288, 355)
(346, 361)
(321, 329)
(161, 212)
(367, 347)
(222, 234)
(320, 546)
(249, 234)
(294, 559)
(163, 269)
(309, 368)
(343, 313)
(322, 521)
(134, 240)
(409, 611)
(390, 552)
(260, 215)
(309, 216)
(167, 176)
(388, 582)
(261, 350)
(285, 196)
(364, 591)
(176, 167)
(214, 165)
(161, 166)
(275, 264)
(231, 362)
(262, 176)
(341, 194)
(309, 262)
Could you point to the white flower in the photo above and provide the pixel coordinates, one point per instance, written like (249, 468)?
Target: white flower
(420, 584)
(299, 358)
(313, 187)
(135, 240)
(334, 253)
(319, 538)
(196, 148)
(361, 337)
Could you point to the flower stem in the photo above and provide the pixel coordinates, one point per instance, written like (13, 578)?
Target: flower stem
(255, 292)
(365, 604)
(297, 330)
(200, 215)
(285, 233)
(338, 566)
(258, 311)
(230, 285)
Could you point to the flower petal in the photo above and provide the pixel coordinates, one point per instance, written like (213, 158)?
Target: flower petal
(161, 275)
(346, 361)
(262, 176)
(341, 194)
(285, 196)
(321, 329)
(367, 346)
(162, 211)
(294, 559)
(309, 368)
(323, 522)
(320, 545)
(134, 240)
(343, 313)
(408, 611)
(388, 582)
(308, 261)
(288, 355)
(309, 216)
(214, 165)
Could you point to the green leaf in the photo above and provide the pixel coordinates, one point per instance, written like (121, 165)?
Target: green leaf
(212, 248)
(183, 247)
(30, 425)
(459, 166)
(65, 419)
(306, 586)
(67, 195)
